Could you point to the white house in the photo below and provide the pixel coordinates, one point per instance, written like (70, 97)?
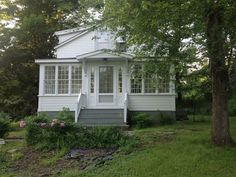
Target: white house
(99, 81)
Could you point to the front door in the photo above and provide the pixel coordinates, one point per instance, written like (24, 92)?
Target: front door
(105, 85)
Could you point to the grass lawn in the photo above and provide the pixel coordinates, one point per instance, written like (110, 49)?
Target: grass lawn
(180, 150)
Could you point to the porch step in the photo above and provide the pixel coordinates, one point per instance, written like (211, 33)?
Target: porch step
(102, 117)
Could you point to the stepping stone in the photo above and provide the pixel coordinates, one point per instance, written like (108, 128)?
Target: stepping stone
(2, 141)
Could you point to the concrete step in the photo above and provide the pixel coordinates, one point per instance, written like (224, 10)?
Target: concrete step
(101, 117)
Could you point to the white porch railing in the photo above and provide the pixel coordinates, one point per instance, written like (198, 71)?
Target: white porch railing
(125, 107)
(80, 104)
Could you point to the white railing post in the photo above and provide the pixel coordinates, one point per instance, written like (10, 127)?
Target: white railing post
(125, 107)
(78, 106)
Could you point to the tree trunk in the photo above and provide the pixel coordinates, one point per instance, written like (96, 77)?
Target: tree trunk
(220, 131)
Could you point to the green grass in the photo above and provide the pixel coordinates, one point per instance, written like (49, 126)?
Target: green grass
(52, 160)
(180, 150)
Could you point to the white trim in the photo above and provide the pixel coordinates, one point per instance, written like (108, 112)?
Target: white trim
(51, 61)
(68, 31)
(108, 94)
(152, 94)
(104, 51)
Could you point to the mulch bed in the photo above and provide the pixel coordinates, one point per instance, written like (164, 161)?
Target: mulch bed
(30, 164)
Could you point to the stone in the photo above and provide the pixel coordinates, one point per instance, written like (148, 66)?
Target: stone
(2, 141)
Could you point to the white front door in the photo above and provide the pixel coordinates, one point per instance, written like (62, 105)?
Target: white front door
(106, 85)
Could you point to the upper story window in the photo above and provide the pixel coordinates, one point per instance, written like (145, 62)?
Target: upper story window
(102, 36)
(102, 40)
(62, 79)
(146, 82)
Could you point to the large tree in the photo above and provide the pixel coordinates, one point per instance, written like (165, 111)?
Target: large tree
(168, 28)
(26, 33)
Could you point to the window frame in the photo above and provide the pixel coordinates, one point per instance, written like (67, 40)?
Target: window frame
(143, 84)
(56, 79)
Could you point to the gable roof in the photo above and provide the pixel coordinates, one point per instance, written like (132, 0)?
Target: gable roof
(81, 33)
(103, 53)
(72, 30)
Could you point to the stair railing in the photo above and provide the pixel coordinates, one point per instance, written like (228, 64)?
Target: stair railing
(80, 103)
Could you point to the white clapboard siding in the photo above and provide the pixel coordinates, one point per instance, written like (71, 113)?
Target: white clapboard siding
(64, 37)
(56, 103)
(151, 102)
(81, 45)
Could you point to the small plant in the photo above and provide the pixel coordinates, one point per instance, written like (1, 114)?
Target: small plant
(4, 124)
(17, 156)
(50, 161)
(65, 115)
(166, 119)
(2, 158)
(141, 120)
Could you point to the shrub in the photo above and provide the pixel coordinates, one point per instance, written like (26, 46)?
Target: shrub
(4, 124)
(42, 117)
(48, 137)
(71, 135)
(65, 115)
(141, 120)
(101, 137)
(166, 119)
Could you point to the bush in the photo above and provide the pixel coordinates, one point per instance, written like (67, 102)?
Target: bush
(166, 119)
(48, 137)
(141, 120)
(4, 124)
(71, 135)
(65, 115)
(101, 137)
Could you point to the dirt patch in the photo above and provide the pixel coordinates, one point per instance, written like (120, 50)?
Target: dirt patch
(31, 165)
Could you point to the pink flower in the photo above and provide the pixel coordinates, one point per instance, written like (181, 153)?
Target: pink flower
(62, 124)
(22, 124)
(43, 124)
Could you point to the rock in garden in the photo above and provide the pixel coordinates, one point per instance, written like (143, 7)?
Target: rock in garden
(2, 141)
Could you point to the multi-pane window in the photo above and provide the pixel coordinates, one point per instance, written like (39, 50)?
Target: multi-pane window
(136, 79)
(120, 80)
(63, 79)
(144, 82)
(57, 79)
(92, 80)
(49, 80)
(76, 79)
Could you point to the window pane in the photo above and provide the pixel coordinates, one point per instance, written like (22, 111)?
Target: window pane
(136, 79)
(76, 79)
(150, 83)
(63, 79)
(164, 85)
(120, 81)
(49, 80)
(92, 80)
(105, 79)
